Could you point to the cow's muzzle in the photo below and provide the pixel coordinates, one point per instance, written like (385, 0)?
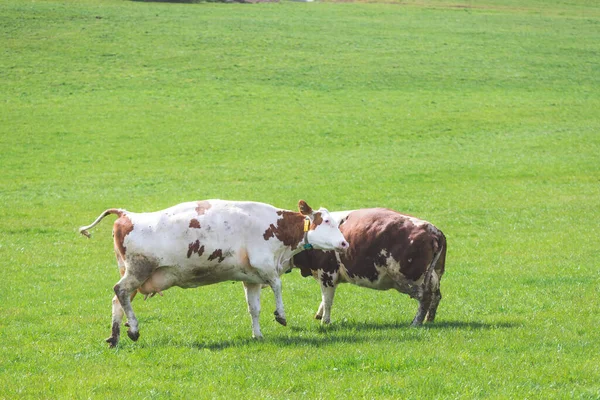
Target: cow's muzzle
(343, 246)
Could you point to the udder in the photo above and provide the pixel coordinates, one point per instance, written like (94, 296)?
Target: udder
(159, 280)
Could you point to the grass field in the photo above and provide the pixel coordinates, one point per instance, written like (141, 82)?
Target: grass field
(481, 117)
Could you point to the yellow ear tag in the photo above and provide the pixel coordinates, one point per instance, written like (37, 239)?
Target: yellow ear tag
(306, 225)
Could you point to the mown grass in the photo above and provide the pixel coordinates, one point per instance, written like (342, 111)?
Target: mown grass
(480, 117)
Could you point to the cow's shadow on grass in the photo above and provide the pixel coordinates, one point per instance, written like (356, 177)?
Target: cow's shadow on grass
(380, 326)
(280, 341)
(471, 325)
(350, 332)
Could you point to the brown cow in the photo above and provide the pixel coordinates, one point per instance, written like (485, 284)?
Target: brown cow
(388, 250)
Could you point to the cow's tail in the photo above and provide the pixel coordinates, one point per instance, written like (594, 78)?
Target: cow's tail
(439, 248)
(84, 229)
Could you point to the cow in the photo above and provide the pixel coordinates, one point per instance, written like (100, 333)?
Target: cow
(204, 242)
(388, 250)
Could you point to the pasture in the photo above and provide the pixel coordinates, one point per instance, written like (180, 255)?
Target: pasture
(481, 117)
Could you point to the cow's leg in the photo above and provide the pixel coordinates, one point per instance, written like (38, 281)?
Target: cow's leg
(117, 310)
(266, 271)
(436, 296)
(117, 318)
(319, 314)
(252, 291)
(275, 284)
(431, 286)
(126, 288)
(424, 303)
(327, 294)
(328, 281)
(435, 301)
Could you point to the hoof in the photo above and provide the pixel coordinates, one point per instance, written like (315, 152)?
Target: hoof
(112, 342)
(260, 337)
(318, 316)
(133, 335)
(430, 317)
(280, 319)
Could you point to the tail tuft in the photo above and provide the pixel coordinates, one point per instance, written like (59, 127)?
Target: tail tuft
(84, 232)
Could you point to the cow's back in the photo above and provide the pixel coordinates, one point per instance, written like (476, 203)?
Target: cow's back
(197, 233)
(385, 242)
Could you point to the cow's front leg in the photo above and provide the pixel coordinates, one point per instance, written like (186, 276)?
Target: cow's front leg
(328, 281)
(319, 314)
(327, 294)
(252, 291)
(275, 284)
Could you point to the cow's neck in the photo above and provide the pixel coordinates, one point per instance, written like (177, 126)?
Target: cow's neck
(290, 230)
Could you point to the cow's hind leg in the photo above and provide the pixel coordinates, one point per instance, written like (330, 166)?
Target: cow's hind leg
(436, 296)
(117, 310)
(429, 299)
(135, 275)
(252, 291)
(435, 301)
(123, 291)
(424, 303)
(117, 318)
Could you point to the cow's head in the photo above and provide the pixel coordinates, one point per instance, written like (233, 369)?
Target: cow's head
(323, 231)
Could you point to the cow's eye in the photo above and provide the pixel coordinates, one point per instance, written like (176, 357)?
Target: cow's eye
(327, 221)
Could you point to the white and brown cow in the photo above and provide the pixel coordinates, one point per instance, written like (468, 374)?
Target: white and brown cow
(204, 242)
(388, 250)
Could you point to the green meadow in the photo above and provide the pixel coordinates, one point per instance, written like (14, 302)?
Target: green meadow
(482, 117)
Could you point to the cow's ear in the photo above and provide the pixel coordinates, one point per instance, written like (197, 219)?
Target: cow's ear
(304, 208)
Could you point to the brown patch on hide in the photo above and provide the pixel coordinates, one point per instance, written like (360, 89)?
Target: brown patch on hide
(202, 207)
(317, 220)
(122, 227)
(217, 254)
(327, 279)
(270, 232)
(289, 229)
(304, 261)
(373, 231)
(194, 223)
(243, 258)
(312, 260)
(195, 247)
